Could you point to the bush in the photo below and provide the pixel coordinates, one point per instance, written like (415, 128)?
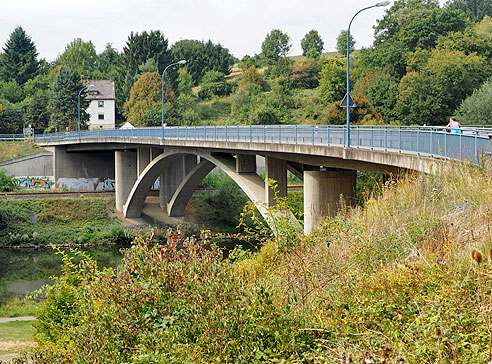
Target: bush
(214, 84)
(164, 305)
(6, 182)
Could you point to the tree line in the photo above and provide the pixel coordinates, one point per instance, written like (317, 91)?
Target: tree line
(427, 63)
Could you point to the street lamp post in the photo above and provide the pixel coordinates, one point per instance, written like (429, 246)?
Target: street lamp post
(347, 98)
(78, 124)
(163, 77)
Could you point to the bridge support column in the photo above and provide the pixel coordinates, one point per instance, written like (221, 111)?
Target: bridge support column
(322, 190)
(172, 177)
(245, 163)
(125, 175)
(143, 158)
(275, 169)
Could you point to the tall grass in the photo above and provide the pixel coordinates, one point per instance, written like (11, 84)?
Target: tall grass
(381, 280)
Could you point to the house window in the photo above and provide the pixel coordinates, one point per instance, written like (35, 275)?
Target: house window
(100, 116)
(100, 104)
(93, 93)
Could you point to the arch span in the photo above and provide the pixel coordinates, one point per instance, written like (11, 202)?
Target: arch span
(252, 184)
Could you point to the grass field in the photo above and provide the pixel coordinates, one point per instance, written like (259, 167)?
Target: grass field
(15, 336)
(12, 150)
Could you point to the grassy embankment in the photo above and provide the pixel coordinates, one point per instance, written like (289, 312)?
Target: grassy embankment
(391, 282)
(33, 222)
(12, 150)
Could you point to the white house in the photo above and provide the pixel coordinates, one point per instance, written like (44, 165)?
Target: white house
(101, 109)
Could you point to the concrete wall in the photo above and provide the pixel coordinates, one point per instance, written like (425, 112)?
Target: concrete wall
(82, 165)
(36, 165)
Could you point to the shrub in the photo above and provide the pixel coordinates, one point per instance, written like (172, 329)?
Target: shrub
(6, 182)
(164, 305)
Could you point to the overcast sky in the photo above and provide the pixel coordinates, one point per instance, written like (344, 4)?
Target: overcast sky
(239, 25)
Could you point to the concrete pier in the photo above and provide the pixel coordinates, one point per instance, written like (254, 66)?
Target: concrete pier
(125, 175)
(322, 190)
(275, 169)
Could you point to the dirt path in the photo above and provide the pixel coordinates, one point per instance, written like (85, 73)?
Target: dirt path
(19, 318)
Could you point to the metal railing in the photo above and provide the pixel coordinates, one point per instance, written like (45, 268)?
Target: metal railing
(463, 144)
(14, 137)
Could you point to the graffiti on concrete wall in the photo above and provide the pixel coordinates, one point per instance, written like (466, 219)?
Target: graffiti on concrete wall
(33, 182)
(85, 184)
(73, 184)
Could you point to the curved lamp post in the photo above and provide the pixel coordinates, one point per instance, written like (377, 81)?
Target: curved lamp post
(78, 124)
(347, 101)
(163, 77)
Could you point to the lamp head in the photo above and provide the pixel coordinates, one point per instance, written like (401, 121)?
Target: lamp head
(183, 61)
(383, 3)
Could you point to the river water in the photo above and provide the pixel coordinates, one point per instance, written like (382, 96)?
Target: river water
(23, 271)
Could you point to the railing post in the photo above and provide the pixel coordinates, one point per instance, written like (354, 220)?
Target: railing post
(328, 135)
(475, 149)
(372, 137)
(445, 144)
(237, 132)
(386, 139)
(264, 133)
(430, 141)
(399, 139)
(312, 134)
(461, 146)
(295, 134)
(250, 134)
(418, 140)
(358, 136)
(226, 136)
(279, 134)
(215, 132)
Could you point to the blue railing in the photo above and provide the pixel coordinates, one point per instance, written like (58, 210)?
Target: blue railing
(468, 144)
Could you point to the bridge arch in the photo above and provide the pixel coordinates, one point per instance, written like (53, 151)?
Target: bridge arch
(252, 184)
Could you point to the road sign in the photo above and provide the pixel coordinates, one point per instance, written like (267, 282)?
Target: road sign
(348, 99)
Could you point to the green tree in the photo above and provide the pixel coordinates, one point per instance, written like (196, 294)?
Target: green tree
(140, 47)
(12, 92)
(407, 26)
(37, 112)
(342, 42)
(63, 105)
(431, 94)
(476, 109)
(11, 119)
(312, 41)
(202, 57)
(185, 82)
(332, 80)
(108, 61)
(149, 66)
(214, 84)
(19, 59)
(476, 9)
(276, 45)
(80, 57)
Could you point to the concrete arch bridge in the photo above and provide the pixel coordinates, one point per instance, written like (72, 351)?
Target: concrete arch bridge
(183, 156)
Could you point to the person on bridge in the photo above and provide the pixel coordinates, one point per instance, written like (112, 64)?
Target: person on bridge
(453, 125)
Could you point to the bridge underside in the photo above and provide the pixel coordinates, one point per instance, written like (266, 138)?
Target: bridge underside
(181, 169)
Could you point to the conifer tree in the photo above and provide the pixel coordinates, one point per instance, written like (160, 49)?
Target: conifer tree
(19, 59)
(64, 101)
